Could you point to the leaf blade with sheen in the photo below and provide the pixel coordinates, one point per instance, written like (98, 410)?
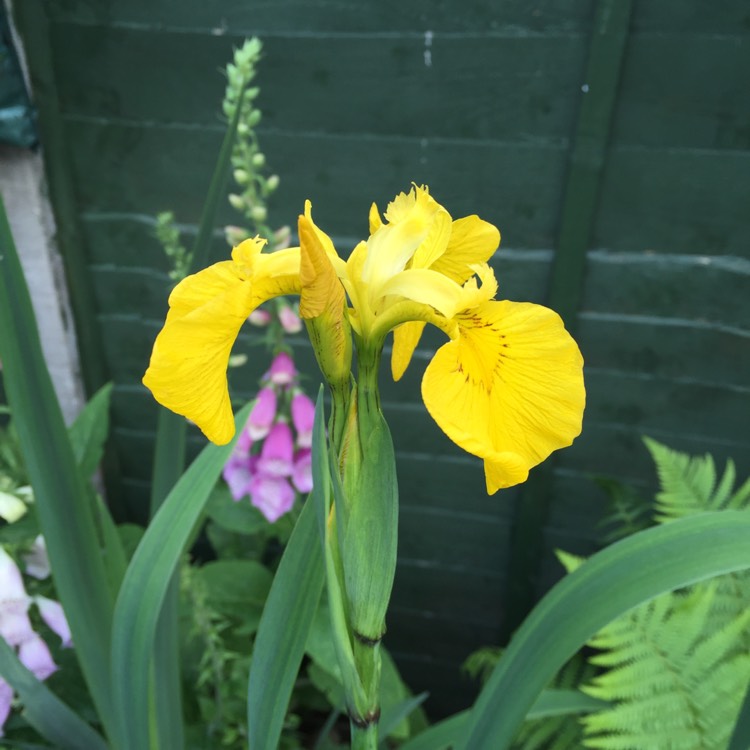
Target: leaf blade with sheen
(608, 584)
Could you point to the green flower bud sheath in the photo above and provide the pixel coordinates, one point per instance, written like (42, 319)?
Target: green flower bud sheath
(365, 537)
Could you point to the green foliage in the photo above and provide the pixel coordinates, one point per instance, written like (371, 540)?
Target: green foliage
(557, 732)
(689, 484)
(480, 663)
(676, 668)
(629, 512)
(169, 236)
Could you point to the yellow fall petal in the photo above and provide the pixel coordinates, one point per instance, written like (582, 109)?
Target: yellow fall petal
(187, 371)
(509, 389)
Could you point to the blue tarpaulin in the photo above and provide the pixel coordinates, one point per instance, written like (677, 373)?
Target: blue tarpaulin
(16, 113)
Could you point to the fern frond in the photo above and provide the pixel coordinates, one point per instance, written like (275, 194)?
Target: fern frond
(689, 484)
(673, 682)
(480, 663)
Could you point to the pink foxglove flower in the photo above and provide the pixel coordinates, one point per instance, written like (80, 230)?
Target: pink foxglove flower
(303, 416)
(272, 496)
(52, 613)
(302, 471)
(37, 562)
(289, 320)
(282, 371)
(263, 414)
(277, 454)
(238, 474)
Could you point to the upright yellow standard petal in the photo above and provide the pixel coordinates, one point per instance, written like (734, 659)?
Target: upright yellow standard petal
(187, 372)
(472, 241)
(508, 389)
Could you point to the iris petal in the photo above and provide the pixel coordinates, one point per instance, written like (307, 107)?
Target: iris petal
(187, 372)
(405, 340)
(509, 389)
(472, 241)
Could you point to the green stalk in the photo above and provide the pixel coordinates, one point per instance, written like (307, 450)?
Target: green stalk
(63, 507)
(364, 738)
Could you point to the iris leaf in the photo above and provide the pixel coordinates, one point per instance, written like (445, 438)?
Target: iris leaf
(620, 577)
(146, 584)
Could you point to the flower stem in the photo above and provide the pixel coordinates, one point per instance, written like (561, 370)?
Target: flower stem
(364, 738)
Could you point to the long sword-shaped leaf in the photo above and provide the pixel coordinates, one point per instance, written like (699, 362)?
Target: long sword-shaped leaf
(65, 514)
(169, 462)
(145, 586)
(44, 710)
(287, 618)
(447, 732)
(610, 583)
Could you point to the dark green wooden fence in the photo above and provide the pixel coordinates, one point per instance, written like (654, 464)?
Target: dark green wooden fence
(607, 139)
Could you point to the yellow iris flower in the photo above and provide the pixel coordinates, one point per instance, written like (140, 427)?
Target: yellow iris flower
(506, 387)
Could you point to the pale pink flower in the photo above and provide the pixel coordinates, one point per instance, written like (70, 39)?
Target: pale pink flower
(289, 320)
(238, 474)
(302, 471)
(272, 496)
(15, 625)
(262, 415)
(52, 613)
(277, 453)
(259, 317)
(35, 656)
(282, 371)
(303, 417)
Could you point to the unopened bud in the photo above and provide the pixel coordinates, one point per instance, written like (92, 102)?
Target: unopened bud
(241, 177)
(237, 201)
(259, 159)
(253, 118)
(259, 213)
(272, 183)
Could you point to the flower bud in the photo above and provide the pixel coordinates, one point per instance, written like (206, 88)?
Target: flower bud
(241, 177)
(259, 159)
(237, 201)
(259, 213)
(272, 183)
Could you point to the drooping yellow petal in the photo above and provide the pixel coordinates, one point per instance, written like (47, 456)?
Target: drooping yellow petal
(472, 241)
(405, 340)
(187, 372)
(509, 389)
